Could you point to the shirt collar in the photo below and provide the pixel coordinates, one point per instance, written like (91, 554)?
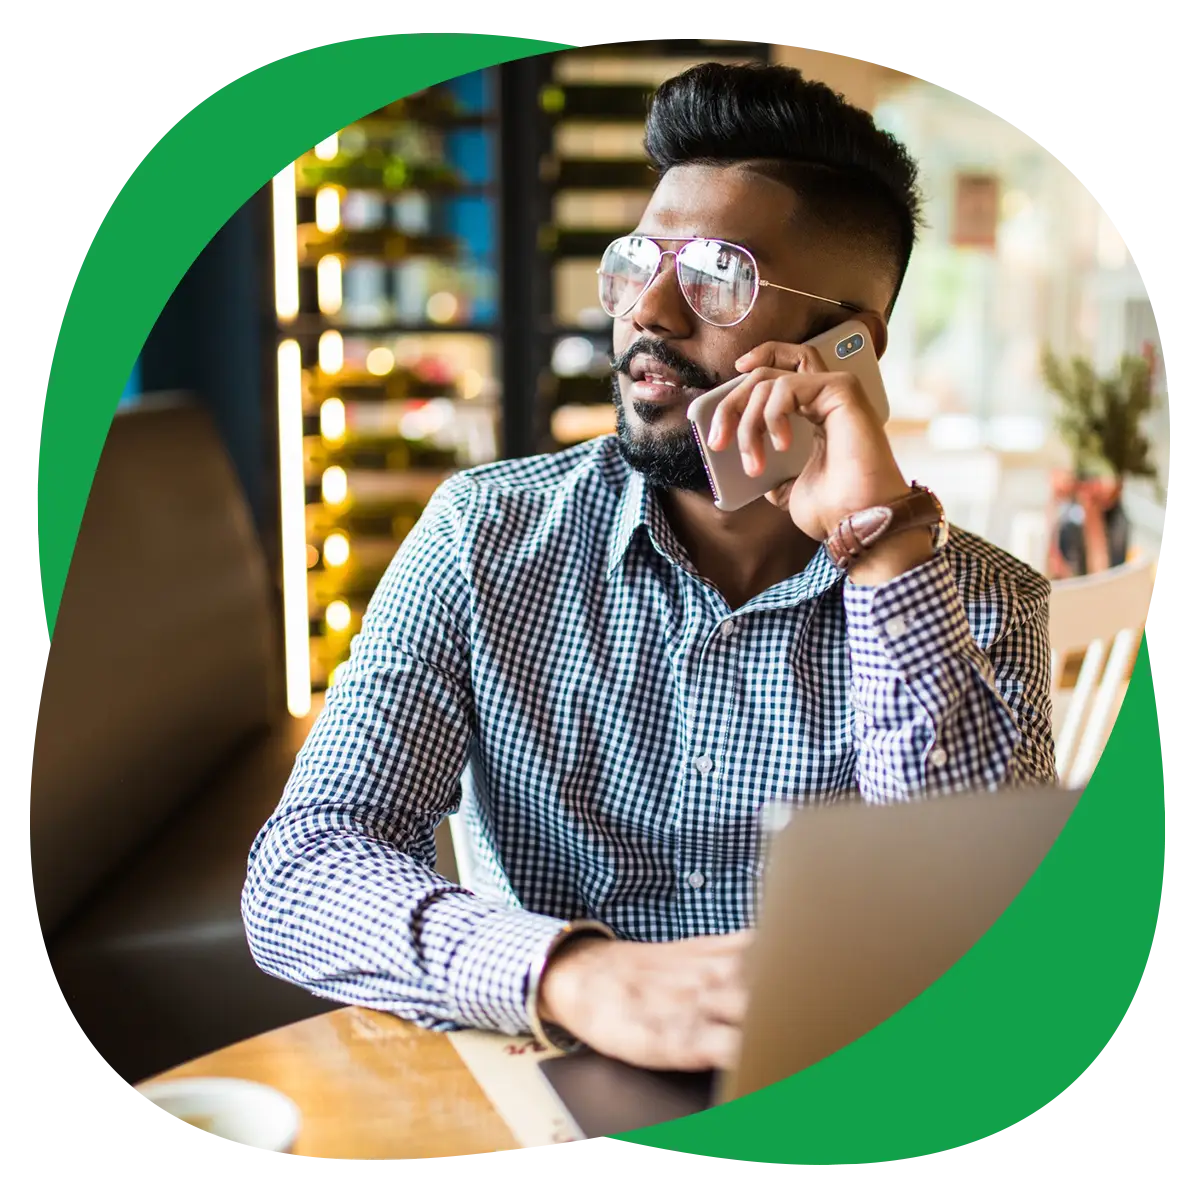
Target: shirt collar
(819, 576)
(638, 508)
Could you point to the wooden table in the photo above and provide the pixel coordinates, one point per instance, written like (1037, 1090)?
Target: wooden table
(368, 1085)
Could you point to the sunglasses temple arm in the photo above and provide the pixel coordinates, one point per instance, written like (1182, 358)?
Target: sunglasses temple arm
(762, 283)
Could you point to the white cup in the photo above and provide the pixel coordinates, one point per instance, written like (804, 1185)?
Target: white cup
(235, 1109)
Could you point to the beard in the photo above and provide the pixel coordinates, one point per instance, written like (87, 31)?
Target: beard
(667, 458)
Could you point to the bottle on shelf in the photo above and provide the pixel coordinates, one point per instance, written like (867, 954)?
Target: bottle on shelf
(432, 104)
(375, 171)
(384, 244)
(396, 226)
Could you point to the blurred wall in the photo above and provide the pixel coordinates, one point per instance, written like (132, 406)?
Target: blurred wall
(209, 341)
(862, 83)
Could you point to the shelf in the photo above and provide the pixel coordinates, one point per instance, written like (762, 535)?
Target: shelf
(553, 329)
(371, 489)
(313, 325)
(561, 243)
(438, 191)
(598, 174)
(448, 121)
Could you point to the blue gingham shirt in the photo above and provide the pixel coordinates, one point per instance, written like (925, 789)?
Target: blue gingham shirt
(542, 650)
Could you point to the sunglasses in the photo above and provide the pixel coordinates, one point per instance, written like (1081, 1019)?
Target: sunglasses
(719, 280)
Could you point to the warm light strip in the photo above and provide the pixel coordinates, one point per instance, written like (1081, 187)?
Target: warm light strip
(292, 534)
(329, 284)
(331, 352)
(287, 265)
(329, 210)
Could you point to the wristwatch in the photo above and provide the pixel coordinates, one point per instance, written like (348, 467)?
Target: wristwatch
(551, 1036)
(857, 533)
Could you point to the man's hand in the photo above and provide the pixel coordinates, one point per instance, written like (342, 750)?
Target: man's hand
(851, 467)
(669, 1006)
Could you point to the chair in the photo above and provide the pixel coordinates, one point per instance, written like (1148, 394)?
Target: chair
(966, 481)
(1104, 615)
(1029, 537)
(162, 747)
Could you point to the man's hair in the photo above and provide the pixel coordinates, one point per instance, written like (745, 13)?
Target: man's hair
(851, 178)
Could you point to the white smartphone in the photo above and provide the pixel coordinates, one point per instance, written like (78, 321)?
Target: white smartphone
(848, 347)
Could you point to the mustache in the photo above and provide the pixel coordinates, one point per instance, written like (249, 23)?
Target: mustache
(691, 374)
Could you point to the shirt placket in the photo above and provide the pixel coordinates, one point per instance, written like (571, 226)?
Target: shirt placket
(700, 871)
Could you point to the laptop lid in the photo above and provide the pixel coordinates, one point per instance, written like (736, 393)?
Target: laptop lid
(865, 906)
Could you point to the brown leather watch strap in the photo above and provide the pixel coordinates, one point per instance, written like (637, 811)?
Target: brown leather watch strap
(858, 532)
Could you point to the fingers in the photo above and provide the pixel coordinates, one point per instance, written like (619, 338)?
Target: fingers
(777, 414)
(671, 1006)
(781, 356)
(741, 413)
(726, 1004)
(762, 405)
(728, 413)
(717, 1048)
(682, 1045)
(751, 426)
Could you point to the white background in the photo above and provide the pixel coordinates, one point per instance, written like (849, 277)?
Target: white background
(88, 90)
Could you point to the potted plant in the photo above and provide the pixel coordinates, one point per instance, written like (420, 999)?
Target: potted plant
(1100, 421)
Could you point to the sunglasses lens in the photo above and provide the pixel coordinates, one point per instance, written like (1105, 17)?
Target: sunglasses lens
(718, 280)
(627, 267)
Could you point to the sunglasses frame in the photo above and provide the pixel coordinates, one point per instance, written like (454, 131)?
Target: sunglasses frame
(759, 281)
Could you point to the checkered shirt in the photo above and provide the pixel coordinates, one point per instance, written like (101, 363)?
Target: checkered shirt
(542, 651)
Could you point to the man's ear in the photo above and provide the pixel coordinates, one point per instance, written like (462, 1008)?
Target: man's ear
(877, 324)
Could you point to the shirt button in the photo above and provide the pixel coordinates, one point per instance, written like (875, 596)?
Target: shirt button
(938, 757)
(895, 626)
(704, 764)
(729, 628)
(695, 880)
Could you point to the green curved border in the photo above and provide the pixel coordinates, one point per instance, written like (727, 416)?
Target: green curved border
(1012, 1024)
(182, 192)
(1001, 1034)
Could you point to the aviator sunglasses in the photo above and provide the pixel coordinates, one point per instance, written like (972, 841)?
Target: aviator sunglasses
(719, 280)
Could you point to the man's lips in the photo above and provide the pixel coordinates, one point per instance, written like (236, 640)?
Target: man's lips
(655, 383)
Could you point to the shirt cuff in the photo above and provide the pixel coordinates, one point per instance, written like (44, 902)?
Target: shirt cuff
(489, 972)
(911, 624)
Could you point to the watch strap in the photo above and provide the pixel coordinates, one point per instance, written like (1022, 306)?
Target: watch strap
(856, 534)
(551, 1036)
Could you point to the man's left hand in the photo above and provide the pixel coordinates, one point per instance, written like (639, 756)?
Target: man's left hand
(851, 467)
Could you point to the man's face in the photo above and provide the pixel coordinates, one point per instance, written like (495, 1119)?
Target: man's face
(665, 356)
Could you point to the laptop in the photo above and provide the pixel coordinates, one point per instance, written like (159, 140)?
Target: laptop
(864, 907)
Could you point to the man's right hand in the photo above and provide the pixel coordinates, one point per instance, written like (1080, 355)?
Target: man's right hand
(665, 1005)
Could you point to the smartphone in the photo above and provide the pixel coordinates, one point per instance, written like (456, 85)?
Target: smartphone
(848, 347)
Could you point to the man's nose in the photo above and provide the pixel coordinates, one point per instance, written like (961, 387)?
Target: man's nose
(661, 308)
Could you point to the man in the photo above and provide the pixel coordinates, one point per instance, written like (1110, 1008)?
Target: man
(626, 674)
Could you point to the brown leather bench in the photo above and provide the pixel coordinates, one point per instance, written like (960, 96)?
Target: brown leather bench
(162, 746)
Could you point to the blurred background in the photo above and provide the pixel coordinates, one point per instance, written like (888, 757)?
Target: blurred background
(418, 293)
(415, 295)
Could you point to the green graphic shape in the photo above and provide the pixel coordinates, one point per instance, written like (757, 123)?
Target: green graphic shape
(1000, 1035)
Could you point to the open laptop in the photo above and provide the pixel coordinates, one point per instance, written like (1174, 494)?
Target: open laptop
(865, 906)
